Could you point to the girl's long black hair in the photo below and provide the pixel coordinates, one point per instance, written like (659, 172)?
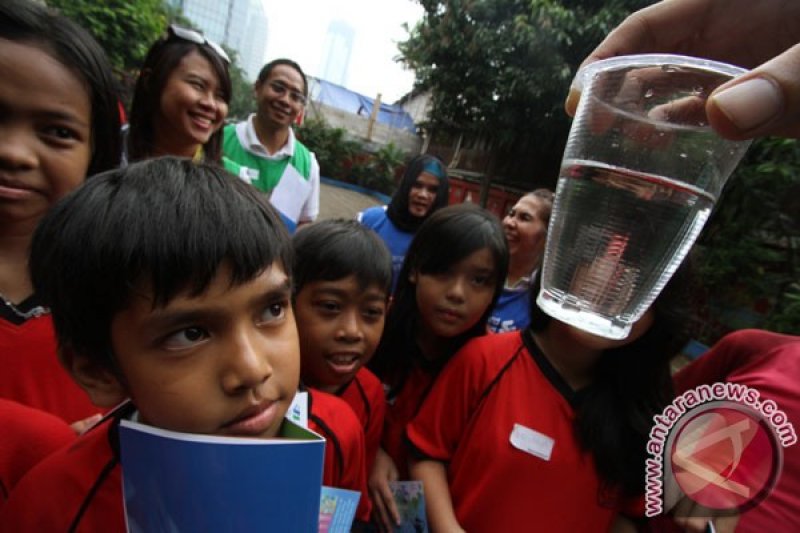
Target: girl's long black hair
(447, 237)
(631, 384)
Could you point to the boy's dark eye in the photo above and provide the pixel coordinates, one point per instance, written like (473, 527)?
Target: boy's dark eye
(186, 338)
(194, 334)
(273, 312)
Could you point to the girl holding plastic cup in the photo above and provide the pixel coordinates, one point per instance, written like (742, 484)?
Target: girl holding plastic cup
(547, 426)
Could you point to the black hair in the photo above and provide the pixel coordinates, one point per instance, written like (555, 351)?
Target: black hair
(331, 250)
(162, 59)
(447, 237)
(24, 21)
(165, 225)
(631, 384)
(267, 69)
(397, 211)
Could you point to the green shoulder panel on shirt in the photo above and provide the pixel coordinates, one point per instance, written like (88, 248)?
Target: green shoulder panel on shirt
(263, 173)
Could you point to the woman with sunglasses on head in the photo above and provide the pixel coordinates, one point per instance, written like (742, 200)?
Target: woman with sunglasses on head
(264, 151)
(181, 99)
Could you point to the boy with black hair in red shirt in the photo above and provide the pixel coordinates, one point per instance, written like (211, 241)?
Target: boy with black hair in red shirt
(343, 274)
(170, 285)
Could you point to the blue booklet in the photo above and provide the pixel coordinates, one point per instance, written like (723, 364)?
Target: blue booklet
(409, 497)
(180, 482)
(337, 509)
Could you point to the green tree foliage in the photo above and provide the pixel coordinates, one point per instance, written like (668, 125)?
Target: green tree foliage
(125, 29)
(749, 254)
(333, 149)
(347, 160)
(377, 171)
(242, 100)
(500, 69)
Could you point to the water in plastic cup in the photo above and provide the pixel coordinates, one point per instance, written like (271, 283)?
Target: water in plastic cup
(641, 172)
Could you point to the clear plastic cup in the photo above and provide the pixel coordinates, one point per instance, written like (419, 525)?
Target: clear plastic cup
(641, 173)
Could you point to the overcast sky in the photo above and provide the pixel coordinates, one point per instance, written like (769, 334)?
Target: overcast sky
(297, 30)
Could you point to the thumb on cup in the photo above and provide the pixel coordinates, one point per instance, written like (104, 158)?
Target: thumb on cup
(765, 101)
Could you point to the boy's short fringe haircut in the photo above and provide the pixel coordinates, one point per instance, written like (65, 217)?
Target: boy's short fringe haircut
(158, 227)
(331, 250)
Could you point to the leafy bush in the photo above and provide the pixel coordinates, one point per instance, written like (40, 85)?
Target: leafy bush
(377, 171)
(750, 251)
(347, 160)
(333, 149)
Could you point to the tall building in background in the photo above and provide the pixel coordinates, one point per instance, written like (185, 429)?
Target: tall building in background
(336, 52)
(254, 40)
(239, 24)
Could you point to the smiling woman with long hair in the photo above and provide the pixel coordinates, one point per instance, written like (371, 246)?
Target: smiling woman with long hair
(181, 99)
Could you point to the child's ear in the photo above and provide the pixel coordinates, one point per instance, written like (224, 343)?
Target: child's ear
(100, 383)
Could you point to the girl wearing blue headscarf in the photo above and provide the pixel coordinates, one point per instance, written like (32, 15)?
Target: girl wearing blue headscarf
(423, 190)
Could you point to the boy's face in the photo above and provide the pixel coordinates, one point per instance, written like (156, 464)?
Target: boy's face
(225, 362)
(340, 325)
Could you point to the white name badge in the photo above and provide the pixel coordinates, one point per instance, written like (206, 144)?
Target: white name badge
(248, 174)
(531, 441)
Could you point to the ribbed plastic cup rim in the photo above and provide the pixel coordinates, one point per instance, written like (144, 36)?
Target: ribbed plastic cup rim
(653, 60)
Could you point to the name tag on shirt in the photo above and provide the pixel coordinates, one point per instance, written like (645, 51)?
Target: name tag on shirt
(531, 441)
(248, 174)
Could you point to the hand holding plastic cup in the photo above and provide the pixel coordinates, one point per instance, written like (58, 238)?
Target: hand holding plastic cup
(641, 172)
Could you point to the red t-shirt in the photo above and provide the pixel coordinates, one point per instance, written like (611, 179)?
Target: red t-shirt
(77, 488)
(365, 395)
(32, 374)
(29, 435)
(400, 410)
(345, 465)
(770, 363)
(493, 384)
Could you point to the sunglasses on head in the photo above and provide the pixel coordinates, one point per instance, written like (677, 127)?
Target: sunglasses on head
(196, 37)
